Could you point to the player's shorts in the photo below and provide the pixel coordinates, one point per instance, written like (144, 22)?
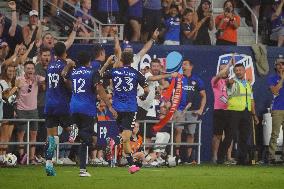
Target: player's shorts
(27, 114)
(63, 120)
(220, 121)
(84, 121)
(187, 116)
(126, 120)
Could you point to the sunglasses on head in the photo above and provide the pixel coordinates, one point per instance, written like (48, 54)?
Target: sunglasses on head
(30, 88)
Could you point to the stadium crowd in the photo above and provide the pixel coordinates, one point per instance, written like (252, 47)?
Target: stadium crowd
(26, 53)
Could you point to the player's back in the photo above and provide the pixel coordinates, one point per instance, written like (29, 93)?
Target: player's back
(125, 82)
(83, 96)
(57, 94)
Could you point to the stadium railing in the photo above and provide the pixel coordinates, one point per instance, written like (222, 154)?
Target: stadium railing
(97, 30)
(171, 143)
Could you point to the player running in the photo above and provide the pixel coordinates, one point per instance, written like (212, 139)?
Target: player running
(57, 103)
(85, 87)
(125, 81)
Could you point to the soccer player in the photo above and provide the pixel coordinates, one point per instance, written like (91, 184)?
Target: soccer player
(125, 81)
(85, 87)
(57, 102)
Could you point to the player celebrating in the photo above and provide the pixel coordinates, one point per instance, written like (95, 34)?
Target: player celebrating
(125, 80)
(57, 103)
(85, 87)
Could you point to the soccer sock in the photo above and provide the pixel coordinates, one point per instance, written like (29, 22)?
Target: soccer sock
(129, 159)
(1, 158)
(83, 153)
(48, 162)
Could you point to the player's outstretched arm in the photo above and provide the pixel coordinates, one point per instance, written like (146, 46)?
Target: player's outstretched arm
(149, 44)
(109, 62)
(162, 76)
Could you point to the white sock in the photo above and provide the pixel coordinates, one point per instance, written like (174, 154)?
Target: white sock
(2, 158)
(49, 162)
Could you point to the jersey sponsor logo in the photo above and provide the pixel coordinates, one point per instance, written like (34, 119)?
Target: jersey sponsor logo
(244, 59)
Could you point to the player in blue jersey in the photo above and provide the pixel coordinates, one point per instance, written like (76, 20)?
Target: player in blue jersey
(56, 103)
(85, 87)
(125, 81)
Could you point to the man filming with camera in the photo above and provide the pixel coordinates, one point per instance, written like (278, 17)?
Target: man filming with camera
(227, 24)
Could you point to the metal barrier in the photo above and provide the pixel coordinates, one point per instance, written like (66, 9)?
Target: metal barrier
(198, 144)
(255, 17)
(28, 143)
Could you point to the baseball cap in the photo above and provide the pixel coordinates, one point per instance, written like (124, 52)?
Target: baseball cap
(279, 60)
(126, 45)
(33, 13)
(144, 65)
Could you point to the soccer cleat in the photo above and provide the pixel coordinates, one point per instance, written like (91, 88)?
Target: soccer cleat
(133, 169)
(51, 145)
(84, 174)
(50, 171)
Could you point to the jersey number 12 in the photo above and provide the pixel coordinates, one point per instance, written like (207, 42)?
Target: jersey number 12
(78, 85)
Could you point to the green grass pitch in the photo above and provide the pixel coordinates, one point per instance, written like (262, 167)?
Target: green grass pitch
(185, 177)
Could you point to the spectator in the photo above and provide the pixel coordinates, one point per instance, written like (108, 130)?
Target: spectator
(227, 24)
(277, 88)
(4, 50)
(44, 58)
(206, 23)
(135, 10)
(8, 97)
(84, 15)
(5, 31)
(220, 114)
(49, 41)
(172, 24)
(192, 5)
(241, 108)
(277, 20)
(188, 30)
(192, 88)
(27, 107)
(32, 31)
(107, 13)
(152, 18)
(19, 58)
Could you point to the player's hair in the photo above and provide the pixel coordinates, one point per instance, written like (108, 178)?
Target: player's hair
(43, 49)
(83, 58)
(127, 58)
(156, 60)
(239, 65)
(59, 49)
(29, 62)
(97, 49)
(187, 60)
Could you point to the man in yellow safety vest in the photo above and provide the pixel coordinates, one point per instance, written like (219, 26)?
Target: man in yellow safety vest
(240, 109)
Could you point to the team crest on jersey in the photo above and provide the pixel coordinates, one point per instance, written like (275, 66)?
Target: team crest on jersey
(240, 59)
